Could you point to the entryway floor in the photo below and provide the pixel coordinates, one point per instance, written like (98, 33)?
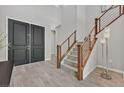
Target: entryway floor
(45, 74)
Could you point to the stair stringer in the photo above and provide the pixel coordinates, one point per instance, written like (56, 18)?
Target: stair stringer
(91, 62)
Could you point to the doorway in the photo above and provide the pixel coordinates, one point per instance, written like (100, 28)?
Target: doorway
(53, 42)
(37, 43)
(26, 42)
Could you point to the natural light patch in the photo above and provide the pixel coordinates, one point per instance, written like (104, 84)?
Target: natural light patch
(2, 40)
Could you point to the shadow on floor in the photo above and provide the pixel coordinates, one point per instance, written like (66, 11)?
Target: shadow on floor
(5, 73)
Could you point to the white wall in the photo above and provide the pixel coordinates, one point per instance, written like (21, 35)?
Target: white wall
(81, 22)
(41, 15)
(68, 22)
(92, 12)
(53, 42)
(116, 46)
(116, 51)
(91, 63)
(72, 18)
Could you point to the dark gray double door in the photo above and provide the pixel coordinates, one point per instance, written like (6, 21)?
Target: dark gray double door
(26, 42)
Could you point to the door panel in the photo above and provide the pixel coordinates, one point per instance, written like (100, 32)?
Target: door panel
(20, 33)
(37, 37)
(19, 42)
(20, 56)
(26, 42)
(38, 53)
(37, 45)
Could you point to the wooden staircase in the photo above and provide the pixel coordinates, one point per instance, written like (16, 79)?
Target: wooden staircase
(72, 56)
(70, 62)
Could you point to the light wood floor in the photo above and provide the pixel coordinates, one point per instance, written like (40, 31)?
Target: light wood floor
(45, 74)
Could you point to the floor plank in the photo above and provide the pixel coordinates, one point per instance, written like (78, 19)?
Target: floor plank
(45, 74)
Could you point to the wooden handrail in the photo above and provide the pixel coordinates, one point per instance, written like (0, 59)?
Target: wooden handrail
(59, 47)
(68, 38)
(110, 23)
(107, 11)
(67, 51)
(92, 29)
(120, 14)
(88, 36)
(85, 61)
(80, 59)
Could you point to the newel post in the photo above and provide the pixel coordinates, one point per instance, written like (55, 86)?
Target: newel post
(75, 36)
(79, 59)
(120, 11)
(90, 42)
(123, 9)
(58, 55)
(96, 26)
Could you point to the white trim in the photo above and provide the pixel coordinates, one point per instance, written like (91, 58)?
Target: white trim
(112, 69)
(6, 29)
(48, 59)
(53, 37)
(84, 76)
(17, 19)
(3, 60)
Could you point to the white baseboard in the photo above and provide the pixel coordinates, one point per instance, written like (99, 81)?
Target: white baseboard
(112, 69)
(48, 59)
(89, 72)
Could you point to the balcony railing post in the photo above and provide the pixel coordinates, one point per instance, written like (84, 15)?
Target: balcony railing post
(120, 10)
(96, 26)
(80, 72)
(58, 55)
(99, 24)
(68, 43)
(75, 36)
(123, 9)
(90, 42)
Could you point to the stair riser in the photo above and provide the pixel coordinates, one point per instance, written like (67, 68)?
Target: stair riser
(69, 71)
(74, 53)
(74, 49)
(72, 58)
(70, 63)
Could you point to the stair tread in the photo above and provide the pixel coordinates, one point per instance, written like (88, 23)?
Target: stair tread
(70, 67)
(74, 51)
(71, 60)
(72, 55)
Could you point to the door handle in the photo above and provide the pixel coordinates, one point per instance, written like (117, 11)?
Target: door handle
(9, 44)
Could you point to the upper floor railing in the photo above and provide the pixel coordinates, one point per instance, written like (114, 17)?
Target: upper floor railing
(109, 17)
